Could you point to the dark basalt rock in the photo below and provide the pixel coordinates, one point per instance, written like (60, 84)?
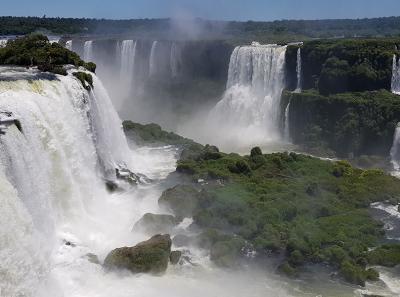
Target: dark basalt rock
(174, 257)
(151, 256)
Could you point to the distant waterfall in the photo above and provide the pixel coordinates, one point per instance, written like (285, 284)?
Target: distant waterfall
(175, 60)
(396, 75)
(153, 59)
(286, 134)
(250, 109)
(88, 51)
(128, 53)
(3, 42)
(395, 150)
(68, 45)
(298, 71)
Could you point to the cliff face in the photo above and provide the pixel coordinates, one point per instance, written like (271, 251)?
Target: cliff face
(349, 124)
(180, 76)
(337, 66)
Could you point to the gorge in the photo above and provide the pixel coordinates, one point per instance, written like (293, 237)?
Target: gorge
(290, 201)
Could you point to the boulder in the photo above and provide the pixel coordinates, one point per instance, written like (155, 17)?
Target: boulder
(182, 200)
(156, 223)
(174, 257)
(151, 256)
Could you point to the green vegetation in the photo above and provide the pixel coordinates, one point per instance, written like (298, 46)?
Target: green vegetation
(36, 50)
(284, 30)
(348, 123)
(307, 209)
(85, 78)
(344, 65)
(153, 134)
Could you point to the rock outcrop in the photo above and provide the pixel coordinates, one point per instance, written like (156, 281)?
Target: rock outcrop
(182, 200)
(156, 223)
(151, 256)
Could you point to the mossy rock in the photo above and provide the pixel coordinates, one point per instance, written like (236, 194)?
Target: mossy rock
(227, 252)
(156, 223)
(151, 256)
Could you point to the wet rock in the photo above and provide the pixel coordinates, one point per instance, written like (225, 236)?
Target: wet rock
(92, 258)
(174, 257)
(151, 256)
(156, 223)
(111, 186)
(182, 200)
(124, 174)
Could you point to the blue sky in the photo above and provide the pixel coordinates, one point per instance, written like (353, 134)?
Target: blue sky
(210, 9)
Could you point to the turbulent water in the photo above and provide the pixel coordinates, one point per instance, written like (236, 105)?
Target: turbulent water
(88, 51)
(396, 75)
(298, 71)
(249, 112)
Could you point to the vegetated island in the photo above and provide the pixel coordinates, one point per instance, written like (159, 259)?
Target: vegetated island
(297, 208)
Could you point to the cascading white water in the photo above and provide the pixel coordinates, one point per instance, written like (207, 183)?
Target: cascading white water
(175, 59)
(396, 75)
(3, 42)
(298, 71)
(395, 150)
(68, 45)
(153, 59)
(286, 134)
(249, 112)
(52, 166)
(128, 54)
(88, 51)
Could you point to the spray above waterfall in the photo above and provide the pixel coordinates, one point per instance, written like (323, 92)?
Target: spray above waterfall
(249, 112)
(88, 50)
(396, 75)
(175, 59)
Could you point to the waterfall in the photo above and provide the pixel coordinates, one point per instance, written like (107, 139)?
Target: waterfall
(396, 75)
(128, 53)
(88, 51)
(49, 174)
(395, 150)
(175, 60)
(249, 111)
(153, 59)
(286, 134)
(3, 42)
(68, 45)
(298, 71)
